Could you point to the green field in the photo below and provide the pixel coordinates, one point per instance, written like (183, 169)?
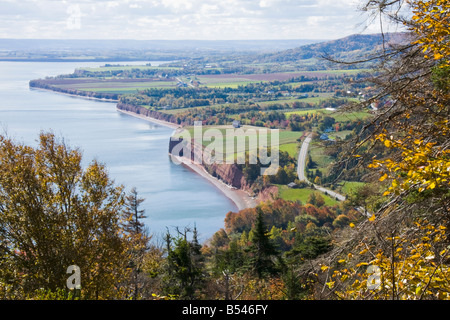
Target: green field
(340, 134)
(287, 139)
(120, 87)
(232, 84)
(317, 153)
(291, 148)
(344, 116)
(337, 115)
(127, 68)
(311, 100)
(290, 194)
(111, 90)
(348, 187)
(303, 112)
(289, 136)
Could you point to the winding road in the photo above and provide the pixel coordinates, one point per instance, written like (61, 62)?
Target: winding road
(301, 163)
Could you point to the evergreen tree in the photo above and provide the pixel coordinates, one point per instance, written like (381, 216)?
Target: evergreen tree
(133, 214)
(184, 276)
(262, 250)
(138, 236)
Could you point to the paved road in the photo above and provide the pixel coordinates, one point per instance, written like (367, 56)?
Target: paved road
(301, 163)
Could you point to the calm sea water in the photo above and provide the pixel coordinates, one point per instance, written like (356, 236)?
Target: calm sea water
(135, 151)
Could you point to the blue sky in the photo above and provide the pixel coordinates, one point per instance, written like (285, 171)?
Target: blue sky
(180, 19)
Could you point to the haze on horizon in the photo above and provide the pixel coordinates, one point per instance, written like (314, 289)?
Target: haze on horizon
(181, 19)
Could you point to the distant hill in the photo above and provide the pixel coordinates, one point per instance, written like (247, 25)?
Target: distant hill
(351, 47)
(137, 50)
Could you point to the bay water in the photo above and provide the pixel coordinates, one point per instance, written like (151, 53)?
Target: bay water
(135, 151)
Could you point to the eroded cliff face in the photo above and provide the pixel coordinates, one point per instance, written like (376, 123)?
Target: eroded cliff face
(268, 194)
(230, 174)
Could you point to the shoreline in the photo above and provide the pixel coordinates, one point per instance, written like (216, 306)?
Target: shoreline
(154, 120)
(75, 95)
(239, 197)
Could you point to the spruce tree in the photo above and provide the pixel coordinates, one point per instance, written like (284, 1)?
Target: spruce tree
(138, 236)
(184, 276)
(262, 251)
(133, 214)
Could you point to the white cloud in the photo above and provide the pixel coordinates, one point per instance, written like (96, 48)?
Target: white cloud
(177, 5)
(179, 19)
(315, 21)
(265, 3)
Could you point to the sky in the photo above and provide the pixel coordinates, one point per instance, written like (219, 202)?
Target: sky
(181, 19)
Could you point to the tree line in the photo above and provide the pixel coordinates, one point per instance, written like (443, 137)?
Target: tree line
(54, 214)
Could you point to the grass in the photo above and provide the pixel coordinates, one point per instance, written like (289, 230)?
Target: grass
(312, 100)
(345, 116)
(287, 139)
(177, 111)
(233, 84)
(109, 85)
(220, 137)
(127, 68)
(318, 156)
(337, 115)
(342, 71)
(289, 194)
(341, 134)
(291, 148)
(303, 112)
(348, 187)
(112, 90)
(285, 136)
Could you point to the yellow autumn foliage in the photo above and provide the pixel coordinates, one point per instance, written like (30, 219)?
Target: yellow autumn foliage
(432, 20)
(422, 165)
(410, 270)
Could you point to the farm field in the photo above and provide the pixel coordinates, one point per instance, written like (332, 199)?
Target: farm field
(312, 100)
(130, 79)
(337, 115)
(286, 193)
(317, 153)
(291, 148)
(127, 68)
(110, 85)
(280, 76)
(287, 139)
(339, 134)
